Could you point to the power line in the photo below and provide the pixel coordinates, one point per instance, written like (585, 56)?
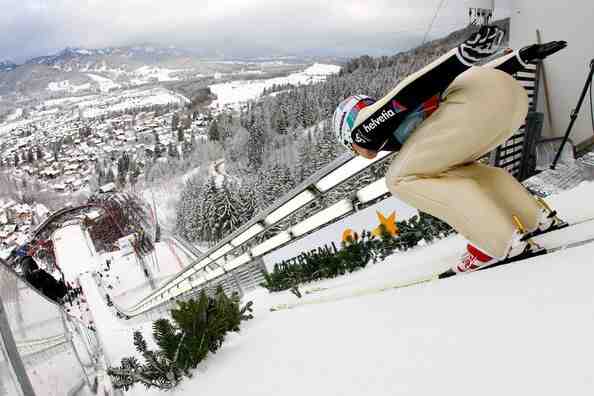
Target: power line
(433, 21)
(414, 62)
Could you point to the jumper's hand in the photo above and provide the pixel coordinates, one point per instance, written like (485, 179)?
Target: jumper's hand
(482, 44)
(363, 152)
(537, 52)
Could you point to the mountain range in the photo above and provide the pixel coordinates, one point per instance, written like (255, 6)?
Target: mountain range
(6, 66)
(80, 69)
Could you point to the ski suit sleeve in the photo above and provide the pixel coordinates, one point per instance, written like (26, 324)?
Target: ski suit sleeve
(377, 122)
(510, 63)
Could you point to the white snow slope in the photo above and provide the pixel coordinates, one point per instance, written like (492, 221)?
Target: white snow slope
(235, 92)
(521, 329)
(74, 251)
(525, 328)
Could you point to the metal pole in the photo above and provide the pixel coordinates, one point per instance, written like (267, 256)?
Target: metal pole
(574, 113)
(13, 353)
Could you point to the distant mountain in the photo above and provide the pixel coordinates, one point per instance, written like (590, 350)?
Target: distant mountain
(93, 70)
(6, 66)
(82, 59)
(82, 70)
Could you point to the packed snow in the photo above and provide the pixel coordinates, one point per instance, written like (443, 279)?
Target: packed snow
(524, 328)
(234, 93)
(68, 87)
(527, 324)
(146, 74)
(105, 84)
(74, 251)
(15, 115)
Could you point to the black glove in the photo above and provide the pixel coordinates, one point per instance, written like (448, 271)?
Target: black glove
(482, 44)
(537, 52)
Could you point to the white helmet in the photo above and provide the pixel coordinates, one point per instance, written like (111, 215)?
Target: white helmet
(345, 117)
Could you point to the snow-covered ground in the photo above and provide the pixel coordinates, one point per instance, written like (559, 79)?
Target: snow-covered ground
(15, 115)
(74, 251)
(125, 280)
(145, 74)
(105, 84)
(165, 197)
(524, 328)
(115, 335)
(67, 86)
(234, 93)
(68, 100)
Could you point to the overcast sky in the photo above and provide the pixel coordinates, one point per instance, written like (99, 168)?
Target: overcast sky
(232, 27)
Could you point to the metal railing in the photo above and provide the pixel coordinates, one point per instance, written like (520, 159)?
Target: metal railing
(233, 258)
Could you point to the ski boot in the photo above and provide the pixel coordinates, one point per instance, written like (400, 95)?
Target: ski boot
(474, 259)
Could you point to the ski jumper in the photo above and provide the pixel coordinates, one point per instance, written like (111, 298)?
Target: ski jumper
(442, 119)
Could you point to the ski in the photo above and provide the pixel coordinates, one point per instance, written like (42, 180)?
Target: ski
(588, 225)
(315, 290)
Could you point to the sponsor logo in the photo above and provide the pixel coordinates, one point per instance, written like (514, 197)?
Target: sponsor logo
(377, 121)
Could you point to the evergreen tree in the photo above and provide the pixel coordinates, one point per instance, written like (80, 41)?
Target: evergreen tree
(172, 150)
(174, 122)
(306, 154)
(193, 141)
(38, 153)
(110, 175)
(213, 131)
(133, 173)
(229, 210)
(255, 149)
(189, 209)
(197, 328)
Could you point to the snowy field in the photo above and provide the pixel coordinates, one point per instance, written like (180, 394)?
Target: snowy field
(66, 86)
(147, 74)
(15, 115)
(524, 328)
(104, 84)
(234, 93)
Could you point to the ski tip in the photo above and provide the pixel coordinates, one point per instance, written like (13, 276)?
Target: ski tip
(446, 274)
